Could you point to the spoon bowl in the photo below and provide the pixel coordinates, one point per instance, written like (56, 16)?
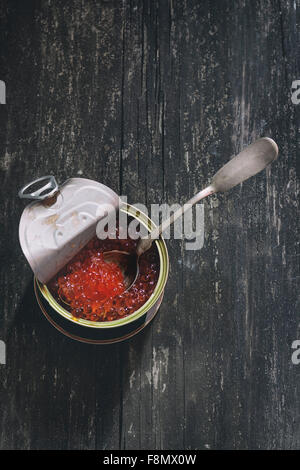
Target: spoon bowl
(127, 262)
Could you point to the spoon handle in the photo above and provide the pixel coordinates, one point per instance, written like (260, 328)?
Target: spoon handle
(145, 243)
(247, 163)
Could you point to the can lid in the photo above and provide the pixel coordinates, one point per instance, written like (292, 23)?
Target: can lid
(61, 221)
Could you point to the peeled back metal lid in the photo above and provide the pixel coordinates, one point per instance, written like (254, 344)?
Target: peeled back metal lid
(62, 220)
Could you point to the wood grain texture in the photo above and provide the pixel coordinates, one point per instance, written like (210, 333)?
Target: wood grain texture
(151, 98)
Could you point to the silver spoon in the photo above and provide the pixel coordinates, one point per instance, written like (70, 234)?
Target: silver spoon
(247, 163)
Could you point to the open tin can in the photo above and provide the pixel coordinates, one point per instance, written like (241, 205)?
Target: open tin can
(55, 227)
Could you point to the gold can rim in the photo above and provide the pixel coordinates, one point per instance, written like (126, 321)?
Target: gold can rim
(159, 288)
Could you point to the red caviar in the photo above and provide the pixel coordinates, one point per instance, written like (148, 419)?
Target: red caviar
(94, 290)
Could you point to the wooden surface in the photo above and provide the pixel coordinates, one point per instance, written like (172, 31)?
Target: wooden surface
(151, 98)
